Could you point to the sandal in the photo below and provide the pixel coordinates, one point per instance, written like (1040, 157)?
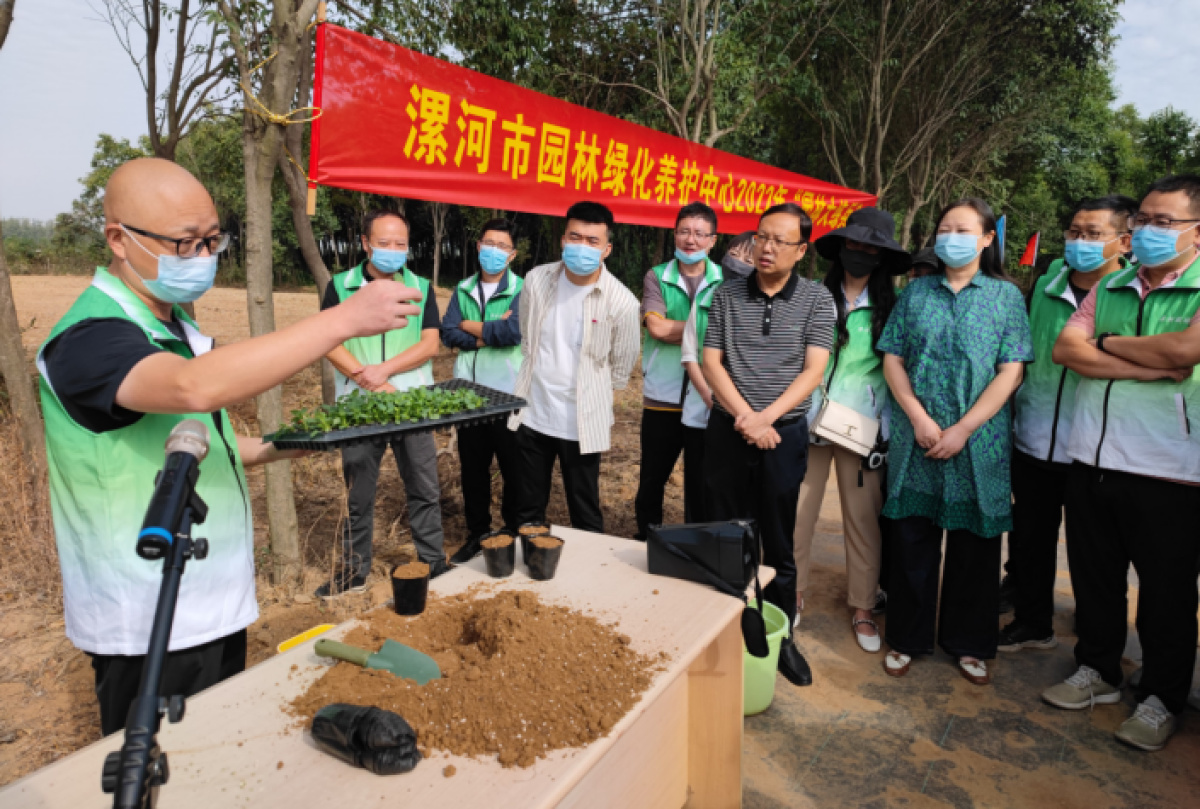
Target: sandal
(975, 671)
(868, 643)
(896, 664)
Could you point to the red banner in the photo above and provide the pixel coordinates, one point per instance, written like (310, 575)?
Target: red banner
(399, 123)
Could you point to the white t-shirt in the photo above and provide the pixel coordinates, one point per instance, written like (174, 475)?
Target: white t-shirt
(488, 290)
(552, 393)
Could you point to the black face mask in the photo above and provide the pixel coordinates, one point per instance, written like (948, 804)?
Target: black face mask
(857, 263)
(736, 266)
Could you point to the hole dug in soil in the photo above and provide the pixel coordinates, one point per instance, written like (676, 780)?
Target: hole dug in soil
(520, 677)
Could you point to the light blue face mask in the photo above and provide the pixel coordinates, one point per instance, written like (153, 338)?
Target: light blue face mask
(581, 259)
(388, 261)
(1155, 246)
(1086, 256)
(956, 249)
(492, 259)
(690, 258)
(180, 280)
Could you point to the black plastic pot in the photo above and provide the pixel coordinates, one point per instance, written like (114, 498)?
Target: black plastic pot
(500, 561)
(543, 530)
(543, 562)
(408, 595)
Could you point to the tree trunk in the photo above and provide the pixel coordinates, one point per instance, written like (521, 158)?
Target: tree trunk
(438, 212)
(15, 368)
(260, 151)
(906, 226)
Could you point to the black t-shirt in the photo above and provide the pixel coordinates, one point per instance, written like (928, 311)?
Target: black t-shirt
(430, 319)
(1080, 293)
(87, 363)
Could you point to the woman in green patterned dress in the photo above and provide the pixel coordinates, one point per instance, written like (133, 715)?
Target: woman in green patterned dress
(955, 349)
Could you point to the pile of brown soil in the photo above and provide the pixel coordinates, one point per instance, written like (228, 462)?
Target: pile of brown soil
(497, 541)
(519, 677)
(412, 570)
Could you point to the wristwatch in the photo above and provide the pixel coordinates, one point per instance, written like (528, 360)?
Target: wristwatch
(1101, 338)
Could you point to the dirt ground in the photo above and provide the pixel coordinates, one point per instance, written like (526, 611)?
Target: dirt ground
(855, 738)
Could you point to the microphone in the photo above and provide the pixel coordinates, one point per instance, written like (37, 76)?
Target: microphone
(174, 489)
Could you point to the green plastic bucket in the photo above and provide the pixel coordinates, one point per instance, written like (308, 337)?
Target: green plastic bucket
(758, 686)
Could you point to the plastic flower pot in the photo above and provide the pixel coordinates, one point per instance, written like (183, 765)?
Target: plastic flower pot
(544, 553)
(410, 588)
(499, 554)
(527, 532)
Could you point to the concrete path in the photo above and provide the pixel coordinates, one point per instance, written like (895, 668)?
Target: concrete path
(858, 738)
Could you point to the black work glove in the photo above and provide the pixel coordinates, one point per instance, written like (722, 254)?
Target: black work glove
(372, 738)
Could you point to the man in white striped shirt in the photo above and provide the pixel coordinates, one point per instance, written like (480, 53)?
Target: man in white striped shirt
(579, 342)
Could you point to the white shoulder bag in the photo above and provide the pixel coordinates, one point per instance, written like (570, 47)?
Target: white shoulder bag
(845, 426)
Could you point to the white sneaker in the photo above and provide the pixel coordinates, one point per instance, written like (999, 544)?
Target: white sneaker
(1082, 689)
(1149, 727)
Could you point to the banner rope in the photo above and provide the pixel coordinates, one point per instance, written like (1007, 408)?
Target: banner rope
(280, 119)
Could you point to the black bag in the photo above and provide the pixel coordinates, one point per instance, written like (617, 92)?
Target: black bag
(723, 555)
(372, 738)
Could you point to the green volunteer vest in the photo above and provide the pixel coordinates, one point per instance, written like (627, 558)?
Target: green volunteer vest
(496, 368)
(695, 412)
(662, 372)
(100, 486)
(1044, 406)
(1147, 428)
(374, 350)
(854, 374)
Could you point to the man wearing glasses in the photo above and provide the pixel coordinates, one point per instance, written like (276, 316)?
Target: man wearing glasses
(397, 360)
(579, 342)
(1096, 243)
(668, 291)
(1133, 492)
(121, 369)
(768, 340)
(483, 321)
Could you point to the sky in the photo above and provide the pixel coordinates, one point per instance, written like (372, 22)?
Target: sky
(64, 79)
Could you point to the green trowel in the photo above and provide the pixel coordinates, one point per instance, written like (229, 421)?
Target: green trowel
(400, 660)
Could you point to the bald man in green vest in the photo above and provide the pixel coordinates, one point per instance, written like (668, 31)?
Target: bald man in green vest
(396, 360)
(121, 369)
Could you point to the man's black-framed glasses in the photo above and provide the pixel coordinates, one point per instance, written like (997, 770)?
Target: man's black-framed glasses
(772, 240)
(189, 246)
(1142, 220)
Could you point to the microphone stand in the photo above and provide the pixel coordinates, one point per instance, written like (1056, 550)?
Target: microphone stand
(135, 772)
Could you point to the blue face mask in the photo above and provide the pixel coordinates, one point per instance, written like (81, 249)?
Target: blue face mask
(581, 259)
(1086, 256)
(956, 249)
(690, 258)
(180, 280)
(1155, 246)
(388, 261)
(492, 259)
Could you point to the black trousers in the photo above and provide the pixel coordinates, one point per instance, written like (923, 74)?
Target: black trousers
(662, 443)
(1039, 492)
(185, 672)
(580, 473)
(970, 591)
(744, 482)
(476, 448)
(694, 509)
(1115, 519)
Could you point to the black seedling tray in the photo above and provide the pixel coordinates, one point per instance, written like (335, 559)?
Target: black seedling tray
(498, 406)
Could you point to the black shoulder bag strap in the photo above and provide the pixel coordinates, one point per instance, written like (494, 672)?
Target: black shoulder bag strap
(754, 628)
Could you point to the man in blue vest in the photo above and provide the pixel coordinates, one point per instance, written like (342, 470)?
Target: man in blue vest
(397, 360)
(483, 321)
(668, 291)
(1133, 491)
(121, 369)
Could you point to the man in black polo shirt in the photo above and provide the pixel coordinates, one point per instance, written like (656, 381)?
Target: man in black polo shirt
(768, 341)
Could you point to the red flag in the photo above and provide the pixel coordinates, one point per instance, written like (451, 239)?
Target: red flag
(1029, 257)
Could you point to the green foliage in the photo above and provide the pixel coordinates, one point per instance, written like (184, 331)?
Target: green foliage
(365, 409)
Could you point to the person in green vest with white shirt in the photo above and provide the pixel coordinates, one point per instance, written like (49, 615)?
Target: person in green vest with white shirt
(483, 321)
(397, 360)
(866, 258)
(1096, 243)
(118, 372)
(668, 291)
(1133, 491)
